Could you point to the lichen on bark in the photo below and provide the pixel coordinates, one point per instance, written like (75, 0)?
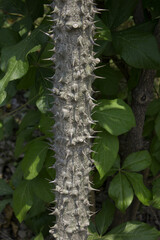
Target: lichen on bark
(73, 31)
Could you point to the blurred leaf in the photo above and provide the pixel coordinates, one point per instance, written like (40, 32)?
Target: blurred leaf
(155, 166)
(1, 131)
(104, 47)
(11, 6)
(22, 200)
(142, 193)
(115, 116)
(37, 208)
(155, 148)
(42, 189)
(104, 218)
(137, 47)
(5, 189)
(39, 237)
(28, 80)
(34, 158)
(22, 137)
(3, 203)
(133, 231)
(106, 148)
(30, 119)
(137, 161)
(104, 31)
(49, 162)
(45, 124)
(157, 126)
(35, 8)
(156, 194)
(121, 192)
(11, 36)
(110, 84)
(118, 12)
(153, 107)
(148, 126)
(41, 223)
(17, 176)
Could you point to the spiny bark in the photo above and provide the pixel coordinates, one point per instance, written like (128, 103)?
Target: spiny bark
(72, 88)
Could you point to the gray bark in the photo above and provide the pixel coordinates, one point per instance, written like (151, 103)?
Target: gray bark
(74, 64)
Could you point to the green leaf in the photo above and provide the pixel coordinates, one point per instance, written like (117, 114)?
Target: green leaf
(106, 148)
(104, 218)
(1, 131)
(43, 102)
(118, 12)
(31, 118)
(37, 208)
(17, 176)
(42, 189)
(14, 58)
(137, 161)
(41, 223)
(5, 189)
(137, 47)
(94, 236)
(157, 126)
(104, 32)
(156, 194)
(155, 148)
(39, 237)
(155, 166)
(11, 36)
(104, 48)
(50, 160)
(115, 116)
(133, 231)
(22, 200)
(45, 124)
(3, 203)
(28, 80)
(110, 84)
(121, 192)
(3, 95)
(22, 137)
(153, 107)
(142, 193)
(34, 158)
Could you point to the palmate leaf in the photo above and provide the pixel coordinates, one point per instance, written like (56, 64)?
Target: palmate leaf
(115, 116)
(34, 158)
(137, 161)
(14, 58)
(120, 190)
(104, 218)
(140, 190)
(119, 11)
(22, 199)
(109, 84)
(138, 47)
(106, 148)
(27, 190)
(133, 231)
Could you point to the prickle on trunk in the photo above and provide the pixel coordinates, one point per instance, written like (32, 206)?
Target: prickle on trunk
(73, 31)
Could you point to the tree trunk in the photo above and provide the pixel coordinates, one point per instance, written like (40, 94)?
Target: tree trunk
(72, 88)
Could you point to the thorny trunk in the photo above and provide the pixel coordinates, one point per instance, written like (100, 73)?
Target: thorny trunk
(72, 88)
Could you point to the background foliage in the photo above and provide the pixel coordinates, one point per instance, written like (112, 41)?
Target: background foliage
(125, 48)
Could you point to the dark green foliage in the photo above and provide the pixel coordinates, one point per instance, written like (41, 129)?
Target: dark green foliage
(125, 49)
